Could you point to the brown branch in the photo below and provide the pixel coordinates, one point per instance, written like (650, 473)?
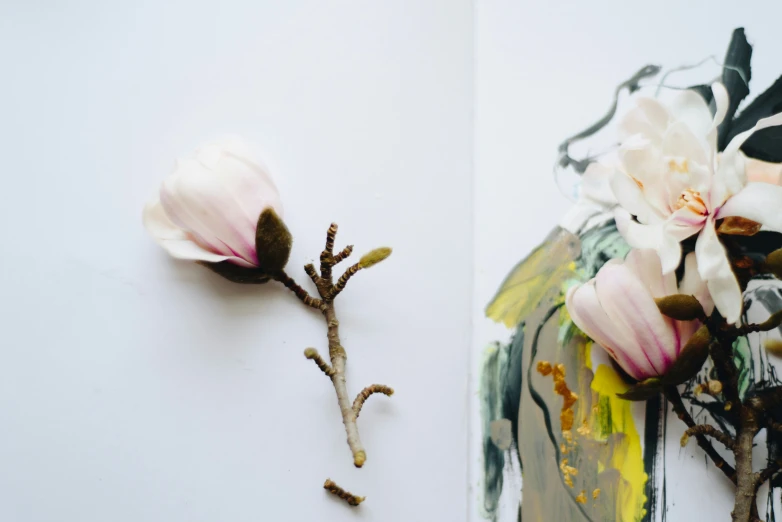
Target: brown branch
(312, 354)
(310, 271)
(327, 256)
(769, 324)
(350, 498)
(344, 254)
(746, 488)
(768, 473)
(301, 293)
(711, 431)
(672, 394)
(366, 392)
(340, 286)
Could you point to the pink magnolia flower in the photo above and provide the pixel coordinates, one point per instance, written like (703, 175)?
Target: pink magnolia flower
(676, 185)
(208, 208)
(617, 310)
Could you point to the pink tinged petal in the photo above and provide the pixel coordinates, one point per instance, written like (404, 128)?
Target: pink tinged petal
(585, 310)
(636, 234)
(763, 171)
(759, 202)
(630, 196)
(173, 239)
(212, 210)
(714, 268)
(689, 108)
(645, 265)
(692, 284)
(628, 303)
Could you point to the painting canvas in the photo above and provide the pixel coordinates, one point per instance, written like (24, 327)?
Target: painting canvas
(557, 442)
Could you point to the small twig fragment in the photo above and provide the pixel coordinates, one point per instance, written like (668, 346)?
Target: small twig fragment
(312, 354)
(348, 497)
(366, 392)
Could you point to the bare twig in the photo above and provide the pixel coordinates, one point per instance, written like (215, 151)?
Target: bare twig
(301, 293)
(344, 254)
(768, 473)
(348, 497)
(312, 353)
(746, 488)
(336, 370)
(366, 392)
(711, 431)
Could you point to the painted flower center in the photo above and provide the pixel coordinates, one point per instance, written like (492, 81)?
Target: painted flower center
(693, 201)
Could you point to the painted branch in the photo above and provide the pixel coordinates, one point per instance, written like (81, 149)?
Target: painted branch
(672, 394)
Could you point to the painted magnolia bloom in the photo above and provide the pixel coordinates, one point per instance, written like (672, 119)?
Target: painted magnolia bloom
(617, 310)
(208, 208)
(676, 185)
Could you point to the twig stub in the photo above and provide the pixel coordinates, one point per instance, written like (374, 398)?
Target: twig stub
(348, 497)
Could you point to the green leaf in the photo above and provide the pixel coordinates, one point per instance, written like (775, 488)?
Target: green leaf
(691, 358)
(642, 391)
(273, 242)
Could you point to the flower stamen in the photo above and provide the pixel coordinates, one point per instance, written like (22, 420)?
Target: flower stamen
(692, 200)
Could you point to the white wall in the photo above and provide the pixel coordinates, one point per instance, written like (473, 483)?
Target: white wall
(135, 388)
(546, 70)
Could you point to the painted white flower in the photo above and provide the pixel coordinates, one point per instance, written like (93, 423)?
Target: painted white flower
(208, 208)
(618, 310)
(676, 185)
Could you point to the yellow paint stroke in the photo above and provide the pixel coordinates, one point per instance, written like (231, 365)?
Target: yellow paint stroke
(627, 455)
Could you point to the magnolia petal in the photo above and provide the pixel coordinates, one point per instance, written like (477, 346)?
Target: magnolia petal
(636, 234)
(210, 208)
(595, 184)
(174, 240)
(714, 268)
(585, 310)
(759, 202)
(689, 108)
(629, 305)
(630, 196)
(731, 173)
(649, 117)
(763, 171)
(645, 265)
(722, 103)
(692, 284)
